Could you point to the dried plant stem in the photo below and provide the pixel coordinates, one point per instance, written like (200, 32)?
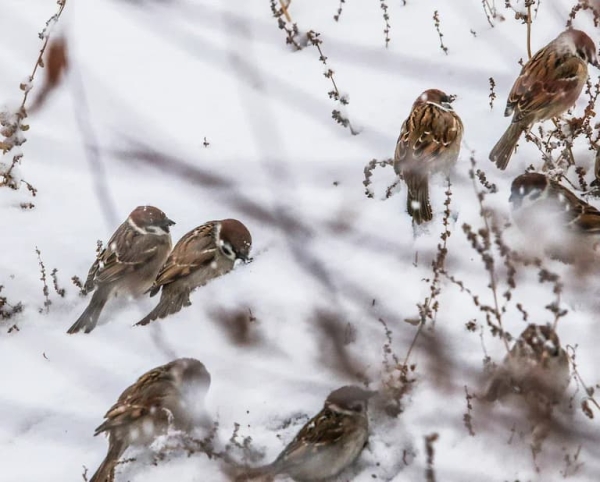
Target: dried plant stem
(492, 95)
(45, 289)
(339, 11)
(588, 391)
(368, 171)
(436, 21)
(284, 9)
(489, 10)
(313, 38)
(17, 125)
(568, 144)
(430, 307)
(491, 269)
(290, 29)
(386, 20)
(494, 288)
(44, 35)
(8, 310)
(529, 3)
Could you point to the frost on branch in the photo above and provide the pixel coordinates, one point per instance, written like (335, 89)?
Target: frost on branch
(12, 124)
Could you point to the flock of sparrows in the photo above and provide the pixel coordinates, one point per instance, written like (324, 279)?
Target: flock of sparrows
(548, 85)
(138, 259)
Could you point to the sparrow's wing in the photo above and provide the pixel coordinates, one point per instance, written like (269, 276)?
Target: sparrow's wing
(145, 396)
(326, 428)
(589, 221)
(542, 83)
(577, 213)
(427, 133)
(194, 251)
(125, 251)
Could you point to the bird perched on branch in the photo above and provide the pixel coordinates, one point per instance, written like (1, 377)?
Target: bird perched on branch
(203, 254)
(129, 263)
(169, 396)
(429, 142)
(548, 85)
(329, 443)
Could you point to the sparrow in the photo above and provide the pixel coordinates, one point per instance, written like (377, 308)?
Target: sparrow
(536, 367)
(548, 85)
(429, 142)
(534, 191)
(328, 443)
(169, 396)
(129, 264)
(203, 254)
(552, 215)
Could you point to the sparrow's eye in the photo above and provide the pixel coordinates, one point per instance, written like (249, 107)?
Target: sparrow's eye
(535, 193)
(551, 348)
(227, 250)
(582, 54)
(356, 407)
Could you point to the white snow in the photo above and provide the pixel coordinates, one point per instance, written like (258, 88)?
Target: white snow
(149, 81)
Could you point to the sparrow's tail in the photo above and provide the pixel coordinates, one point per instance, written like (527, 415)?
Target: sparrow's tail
(503, 150)
(417, 199)
(171, 301)
(88, 319)
(106, 471)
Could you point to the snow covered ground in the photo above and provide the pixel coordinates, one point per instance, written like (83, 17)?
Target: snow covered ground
(156, 81)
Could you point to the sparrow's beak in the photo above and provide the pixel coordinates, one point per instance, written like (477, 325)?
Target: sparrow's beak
(166, 223)
(246, 259)
(448, 101)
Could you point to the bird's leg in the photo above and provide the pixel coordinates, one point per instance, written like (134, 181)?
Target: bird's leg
(284, 9)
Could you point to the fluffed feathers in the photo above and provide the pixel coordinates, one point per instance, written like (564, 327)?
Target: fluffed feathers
(536, 366)
(203, 254)
(168, 395)
(429, 142)
(128, 264)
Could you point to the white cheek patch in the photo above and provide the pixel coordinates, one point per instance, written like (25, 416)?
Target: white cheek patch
(158, 230)
(135, 226)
